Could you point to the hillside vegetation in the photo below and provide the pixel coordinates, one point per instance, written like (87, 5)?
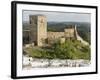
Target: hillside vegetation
(71, 49)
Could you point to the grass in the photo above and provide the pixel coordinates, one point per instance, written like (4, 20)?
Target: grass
(71, 49)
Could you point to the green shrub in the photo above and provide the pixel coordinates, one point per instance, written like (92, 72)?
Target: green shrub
(68, 50)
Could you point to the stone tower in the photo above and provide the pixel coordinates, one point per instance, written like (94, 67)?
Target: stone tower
(71, 32)
(38, 29)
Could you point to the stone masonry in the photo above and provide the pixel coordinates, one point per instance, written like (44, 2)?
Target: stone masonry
(38, 29)
(39, 35)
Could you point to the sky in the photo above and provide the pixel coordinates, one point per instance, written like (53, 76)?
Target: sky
(59, 16)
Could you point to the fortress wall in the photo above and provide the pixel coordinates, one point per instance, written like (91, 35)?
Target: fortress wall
(38, 31)
(55, 35)
(69, 32)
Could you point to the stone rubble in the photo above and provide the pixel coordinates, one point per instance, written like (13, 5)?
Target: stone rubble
(29, 62)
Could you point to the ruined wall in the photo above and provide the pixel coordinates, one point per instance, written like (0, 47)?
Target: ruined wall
(69, 33)
(54, 36)
(39, 35)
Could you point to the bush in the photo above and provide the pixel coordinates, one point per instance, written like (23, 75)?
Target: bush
(68, 50)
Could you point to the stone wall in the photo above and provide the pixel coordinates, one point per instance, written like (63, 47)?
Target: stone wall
(38, 29)
(26, 37)
(54, 36)
(42, 30)
(67, 34)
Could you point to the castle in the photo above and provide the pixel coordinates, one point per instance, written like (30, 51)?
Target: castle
(38, 34)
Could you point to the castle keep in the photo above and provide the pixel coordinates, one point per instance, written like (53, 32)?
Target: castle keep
(38, 35)
(38, 29)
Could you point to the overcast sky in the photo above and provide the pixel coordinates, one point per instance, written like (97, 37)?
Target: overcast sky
(59, 16)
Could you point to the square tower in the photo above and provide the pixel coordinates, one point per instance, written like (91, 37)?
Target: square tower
(38, 29)
(70, 32)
